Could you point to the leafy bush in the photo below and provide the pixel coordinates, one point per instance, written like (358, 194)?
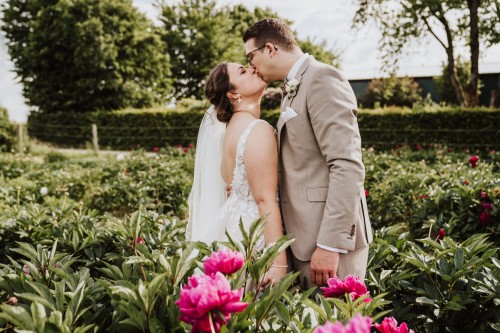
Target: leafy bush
(79, 250)
(271, 99)
(393, 91)
(127, 273)
(437, 286)
(118, 129)
(384, 128)
(7, 131)
(109, 184)
(454, 127)
(434, 189)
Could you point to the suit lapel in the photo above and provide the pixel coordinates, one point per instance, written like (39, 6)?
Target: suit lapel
(288, 101)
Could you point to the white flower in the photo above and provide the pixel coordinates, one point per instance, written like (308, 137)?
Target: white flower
(10, 223)
(44, 191)
(291, 88)
(120, 157)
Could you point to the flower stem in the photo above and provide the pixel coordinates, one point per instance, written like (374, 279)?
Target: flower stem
(431, 224)
(212, 328)
(142, 268)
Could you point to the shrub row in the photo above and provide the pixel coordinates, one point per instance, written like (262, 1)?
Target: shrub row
(118, 185)
(160, 127)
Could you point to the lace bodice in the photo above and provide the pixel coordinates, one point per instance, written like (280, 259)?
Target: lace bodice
(240, 203)
(239, 185)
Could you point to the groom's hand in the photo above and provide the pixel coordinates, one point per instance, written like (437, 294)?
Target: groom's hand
(324, 265)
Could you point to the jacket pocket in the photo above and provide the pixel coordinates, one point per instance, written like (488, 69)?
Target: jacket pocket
(317, 194)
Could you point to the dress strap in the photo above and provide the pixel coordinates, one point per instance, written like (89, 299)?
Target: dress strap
(242, 141)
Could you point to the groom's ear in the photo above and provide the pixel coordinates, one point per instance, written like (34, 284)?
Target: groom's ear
(271, 49)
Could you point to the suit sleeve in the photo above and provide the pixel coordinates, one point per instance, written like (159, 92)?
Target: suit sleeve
(333, 113)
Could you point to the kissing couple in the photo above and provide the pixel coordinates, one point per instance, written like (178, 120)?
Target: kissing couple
(314, 158)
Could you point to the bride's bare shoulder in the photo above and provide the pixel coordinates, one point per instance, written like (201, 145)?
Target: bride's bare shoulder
(262, 135)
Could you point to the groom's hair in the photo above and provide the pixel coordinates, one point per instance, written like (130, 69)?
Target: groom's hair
(271, 30)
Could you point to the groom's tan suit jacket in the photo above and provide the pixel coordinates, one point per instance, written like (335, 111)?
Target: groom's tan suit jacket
(321, 173)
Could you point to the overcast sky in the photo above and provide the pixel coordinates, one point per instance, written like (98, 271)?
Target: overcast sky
(320, 19)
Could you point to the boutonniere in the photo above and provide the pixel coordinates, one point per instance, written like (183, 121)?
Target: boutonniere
(291, 88)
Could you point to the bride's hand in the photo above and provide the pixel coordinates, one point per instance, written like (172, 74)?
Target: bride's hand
(273, 275)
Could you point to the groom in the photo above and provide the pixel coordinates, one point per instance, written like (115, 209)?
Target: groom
(321, 172)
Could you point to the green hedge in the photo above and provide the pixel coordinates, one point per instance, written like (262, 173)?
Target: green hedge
(161, 127)
(451, 127)
(124, 129)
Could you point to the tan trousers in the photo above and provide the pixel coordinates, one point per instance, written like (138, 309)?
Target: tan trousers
(351, 263)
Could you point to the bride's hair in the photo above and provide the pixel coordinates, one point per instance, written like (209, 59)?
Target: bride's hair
(216, 88)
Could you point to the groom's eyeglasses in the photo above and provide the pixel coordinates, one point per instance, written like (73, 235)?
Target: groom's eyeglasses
(250, 54)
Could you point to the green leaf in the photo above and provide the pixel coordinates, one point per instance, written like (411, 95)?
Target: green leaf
(283, 312)
(184, 264)
(37, 299)
(454, 306)
(39, 315)
(313, 305)
(459, 258)
(18, 316)
(496, 262)
(424, 300)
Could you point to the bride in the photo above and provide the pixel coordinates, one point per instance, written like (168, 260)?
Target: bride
(236, 151)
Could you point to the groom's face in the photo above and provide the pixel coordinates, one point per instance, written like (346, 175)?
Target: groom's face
(258, 58)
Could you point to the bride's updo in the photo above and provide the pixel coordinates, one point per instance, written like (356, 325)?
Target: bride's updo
(216, 89)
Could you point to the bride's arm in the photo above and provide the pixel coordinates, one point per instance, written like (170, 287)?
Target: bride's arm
(261, 166)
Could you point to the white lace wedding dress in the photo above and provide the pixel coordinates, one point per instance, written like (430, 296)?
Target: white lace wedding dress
(240, 203)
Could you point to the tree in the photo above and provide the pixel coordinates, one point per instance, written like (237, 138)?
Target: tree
(450, 22)
(192, 31)
(85, 55)
(320, 51)
(443, 83)
(200, 34)
(7, 131)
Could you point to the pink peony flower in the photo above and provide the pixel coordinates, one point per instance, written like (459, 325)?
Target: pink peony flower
(13, 300)
(418, 147)
(190, 145)
(483, 194)
(473, 161)
(209, 295)
(224, 261)
(139, 240)
(440, 234)
(351, 285)
(328, 327)
(484, 217)
(155, 149)
(487, 206)
(390, 325)
(358, 324)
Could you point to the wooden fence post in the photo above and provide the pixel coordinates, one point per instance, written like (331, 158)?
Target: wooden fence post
(95, 139)
(20, 138)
